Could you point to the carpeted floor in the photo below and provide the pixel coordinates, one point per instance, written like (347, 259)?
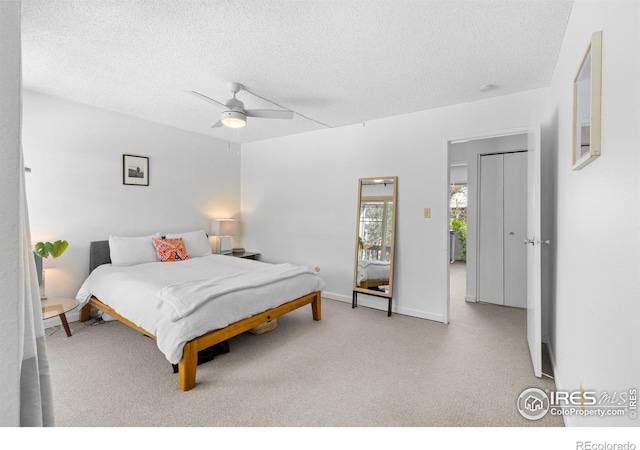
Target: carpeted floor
(355, 368)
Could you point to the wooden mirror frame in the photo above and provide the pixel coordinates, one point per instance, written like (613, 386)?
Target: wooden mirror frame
(592, 60)
(356, 287)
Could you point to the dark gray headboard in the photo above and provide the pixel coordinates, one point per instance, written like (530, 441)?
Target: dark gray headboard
(99, 254)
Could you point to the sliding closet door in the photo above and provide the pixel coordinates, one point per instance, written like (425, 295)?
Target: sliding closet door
(515, 229)
(490, 233)
(502, 221)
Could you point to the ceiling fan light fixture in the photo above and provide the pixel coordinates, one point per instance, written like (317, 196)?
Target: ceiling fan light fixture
(233, 119)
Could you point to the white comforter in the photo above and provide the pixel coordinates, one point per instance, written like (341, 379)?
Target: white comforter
(179, 301)
(372, 270)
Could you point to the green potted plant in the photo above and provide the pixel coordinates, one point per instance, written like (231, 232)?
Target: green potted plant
(43, 250)
(460, 227)
(53, 249)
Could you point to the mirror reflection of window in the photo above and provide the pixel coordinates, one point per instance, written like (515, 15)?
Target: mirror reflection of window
(376, 218)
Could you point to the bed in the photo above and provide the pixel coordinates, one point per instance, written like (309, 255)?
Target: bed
(372, 273)
(190, 304)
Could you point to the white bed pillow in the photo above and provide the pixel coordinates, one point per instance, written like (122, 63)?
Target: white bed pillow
(129, 251)
(196, 242)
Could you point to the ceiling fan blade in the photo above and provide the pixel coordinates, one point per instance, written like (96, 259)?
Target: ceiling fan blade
(218, 124)
(269, 113)
(208, 99)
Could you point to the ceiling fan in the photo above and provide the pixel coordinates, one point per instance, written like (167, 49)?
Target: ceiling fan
(235, 116)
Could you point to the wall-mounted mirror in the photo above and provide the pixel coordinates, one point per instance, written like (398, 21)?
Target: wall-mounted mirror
(587, 87)
(375, 238)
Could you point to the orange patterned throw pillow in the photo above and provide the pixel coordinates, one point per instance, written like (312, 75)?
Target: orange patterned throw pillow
(170, 249)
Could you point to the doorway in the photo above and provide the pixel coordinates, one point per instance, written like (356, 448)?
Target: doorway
(463, 160)
(530, 139)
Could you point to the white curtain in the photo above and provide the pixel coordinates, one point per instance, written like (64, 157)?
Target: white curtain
(26, 397)
(36, 401)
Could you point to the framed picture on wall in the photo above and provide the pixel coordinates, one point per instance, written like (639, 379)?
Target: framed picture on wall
(135, 170)
(587, 98)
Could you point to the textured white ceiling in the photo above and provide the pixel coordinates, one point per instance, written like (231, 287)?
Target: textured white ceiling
(337, 62)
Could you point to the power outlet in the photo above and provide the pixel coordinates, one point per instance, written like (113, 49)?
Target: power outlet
(427, 213)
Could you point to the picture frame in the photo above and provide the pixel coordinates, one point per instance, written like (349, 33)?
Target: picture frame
(135, 170)
(587, 100)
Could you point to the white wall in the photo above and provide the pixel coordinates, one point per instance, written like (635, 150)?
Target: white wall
(458, 175)
(75, 189)
(299, 194)
(595, 310)
(458, 162)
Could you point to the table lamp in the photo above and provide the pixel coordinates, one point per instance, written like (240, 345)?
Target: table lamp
(41, 265)
(223, 229)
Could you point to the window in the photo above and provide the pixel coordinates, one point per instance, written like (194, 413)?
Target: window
(458, 202)
(458, 220)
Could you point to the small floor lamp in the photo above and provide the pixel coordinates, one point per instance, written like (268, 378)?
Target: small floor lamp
(223, 229)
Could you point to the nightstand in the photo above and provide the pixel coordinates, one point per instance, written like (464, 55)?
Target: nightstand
(245, 255)
(52, 307)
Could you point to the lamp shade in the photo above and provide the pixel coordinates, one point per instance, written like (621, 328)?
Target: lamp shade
(48, 263)
(223, 227)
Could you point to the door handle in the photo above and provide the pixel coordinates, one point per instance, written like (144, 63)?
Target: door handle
(535, 241)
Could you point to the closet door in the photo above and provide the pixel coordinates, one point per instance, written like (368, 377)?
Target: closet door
(515, 229)
(490, 233)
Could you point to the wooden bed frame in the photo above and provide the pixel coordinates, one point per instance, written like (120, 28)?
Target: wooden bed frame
(99, 254)
(373, 283)
(189, 362)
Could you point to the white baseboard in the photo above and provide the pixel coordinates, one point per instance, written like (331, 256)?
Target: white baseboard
(381, 304)
(556, 378)
(334, 296)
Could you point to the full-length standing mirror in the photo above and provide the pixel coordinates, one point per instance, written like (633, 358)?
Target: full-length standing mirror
(375, 238)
